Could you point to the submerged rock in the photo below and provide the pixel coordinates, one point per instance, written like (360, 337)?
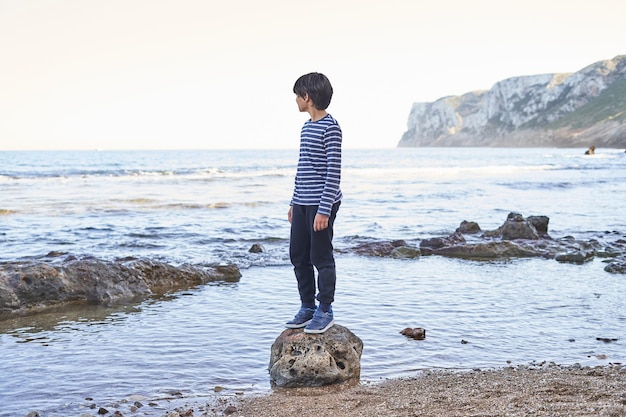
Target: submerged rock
(257, 248)
(617, 266)
(417, 333)
(577, 257)
(35, 285)
(299, 359)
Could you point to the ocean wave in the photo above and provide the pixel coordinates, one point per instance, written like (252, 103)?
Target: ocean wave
(442, 172)
(195, 174)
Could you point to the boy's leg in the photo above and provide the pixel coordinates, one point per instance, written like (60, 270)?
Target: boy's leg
(323, 259)
(300, 254)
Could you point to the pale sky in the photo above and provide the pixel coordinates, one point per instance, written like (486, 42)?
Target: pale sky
(206, 74)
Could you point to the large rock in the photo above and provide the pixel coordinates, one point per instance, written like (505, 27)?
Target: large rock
(489, 250)
(299, 359)
(518, 237)
(379, 248)
(35, 285)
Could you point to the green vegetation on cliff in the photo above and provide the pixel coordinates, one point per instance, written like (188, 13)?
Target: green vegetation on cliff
(609, 105)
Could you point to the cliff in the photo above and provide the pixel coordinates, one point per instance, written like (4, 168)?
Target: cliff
(581, 109)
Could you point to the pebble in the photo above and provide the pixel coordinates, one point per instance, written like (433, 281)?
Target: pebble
(231, 409)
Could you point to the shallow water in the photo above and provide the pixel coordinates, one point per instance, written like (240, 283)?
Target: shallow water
(212, 206)
(510, 312)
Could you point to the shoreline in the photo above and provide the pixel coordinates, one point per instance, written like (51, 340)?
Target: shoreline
(543, 390)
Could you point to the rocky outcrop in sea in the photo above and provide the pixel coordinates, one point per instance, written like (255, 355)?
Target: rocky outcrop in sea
(517, 237)
(36, 285)
(581, 109)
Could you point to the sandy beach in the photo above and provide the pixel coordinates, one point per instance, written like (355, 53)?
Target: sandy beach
(543, 390)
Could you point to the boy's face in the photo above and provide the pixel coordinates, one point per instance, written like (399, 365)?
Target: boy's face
(302, 102)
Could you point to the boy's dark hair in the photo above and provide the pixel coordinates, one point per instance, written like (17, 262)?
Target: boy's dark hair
(318, 88)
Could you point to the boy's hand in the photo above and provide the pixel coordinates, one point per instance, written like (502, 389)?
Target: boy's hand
(320, 222)
(289, 213)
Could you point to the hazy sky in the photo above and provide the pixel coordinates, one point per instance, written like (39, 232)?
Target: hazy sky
(193, 74)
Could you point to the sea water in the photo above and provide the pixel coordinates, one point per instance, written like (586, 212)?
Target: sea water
(211, 206)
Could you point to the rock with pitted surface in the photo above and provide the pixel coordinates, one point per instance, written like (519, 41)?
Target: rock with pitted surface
(34, 285)
(299, 359)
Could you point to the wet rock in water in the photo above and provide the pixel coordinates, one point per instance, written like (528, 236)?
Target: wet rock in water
(33, 286)
(468, 228)
(299, 359)
(405, 252)
(489, 250)
(416, 333)
(455, 238)
(517, 237)
(606, 339)
(257, 248)
(379, 248)
(616, 266)
(578, 257)
(516, 227)
(433, 243)
(540, 223)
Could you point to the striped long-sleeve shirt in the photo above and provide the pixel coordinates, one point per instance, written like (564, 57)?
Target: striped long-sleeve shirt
(319, 166)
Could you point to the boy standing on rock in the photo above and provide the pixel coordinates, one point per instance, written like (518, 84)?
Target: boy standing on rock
(316, 199)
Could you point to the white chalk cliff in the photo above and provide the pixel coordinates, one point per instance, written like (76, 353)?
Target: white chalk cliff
(581, 109)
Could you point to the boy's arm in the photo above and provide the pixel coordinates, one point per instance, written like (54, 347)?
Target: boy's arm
(332, 145)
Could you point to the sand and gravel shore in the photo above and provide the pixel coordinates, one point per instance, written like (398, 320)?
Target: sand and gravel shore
(545, 390)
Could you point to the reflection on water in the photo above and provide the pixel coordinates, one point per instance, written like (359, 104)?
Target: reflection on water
(477, 314)
(64, 318)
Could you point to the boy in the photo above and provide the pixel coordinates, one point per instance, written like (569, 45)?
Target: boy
(316, 199)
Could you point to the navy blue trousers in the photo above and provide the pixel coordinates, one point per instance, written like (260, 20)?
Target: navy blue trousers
(311, 250)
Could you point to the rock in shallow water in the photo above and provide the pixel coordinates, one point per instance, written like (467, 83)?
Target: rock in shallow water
(35, 285)
(617, 266)
(312, 360)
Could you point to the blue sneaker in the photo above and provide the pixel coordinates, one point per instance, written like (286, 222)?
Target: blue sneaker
(321, 322)
(301, 319)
